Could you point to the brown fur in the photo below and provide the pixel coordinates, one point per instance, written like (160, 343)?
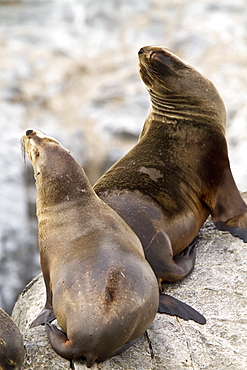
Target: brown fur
(178, 173)
(12, 351)
(99, 285)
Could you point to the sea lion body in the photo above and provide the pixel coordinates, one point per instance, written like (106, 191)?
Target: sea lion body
(99, 286)
(12, 351)
(178, 173)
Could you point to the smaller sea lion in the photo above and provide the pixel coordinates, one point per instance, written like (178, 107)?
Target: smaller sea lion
(99, 285)
(12, 350)
(178, 173)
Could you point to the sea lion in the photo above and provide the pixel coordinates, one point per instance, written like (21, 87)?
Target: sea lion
(178, 173)
(99, 285)
(12, 350)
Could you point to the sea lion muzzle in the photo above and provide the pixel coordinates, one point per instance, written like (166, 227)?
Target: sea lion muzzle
(141, 51)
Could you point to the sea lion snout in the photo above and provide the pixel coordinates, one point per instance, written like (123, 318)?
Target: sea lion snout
(141, 51)
(29, 132)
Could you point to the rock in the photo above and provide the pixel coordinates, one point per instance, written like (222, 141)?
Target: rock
(69, 68)
(216, 288)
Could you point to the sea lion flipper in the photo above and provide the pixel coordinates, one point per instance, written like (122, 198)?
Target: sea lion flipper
(46, 315)
(229, 208)
(234, 226)
(167, 267)
(187, 257)
(124, 347)
(64, 347)
(58, 340)
(174, 307)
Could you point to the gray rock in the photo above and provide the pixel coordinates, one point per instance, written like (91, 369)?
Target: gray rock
(69, 68)
(216, 288)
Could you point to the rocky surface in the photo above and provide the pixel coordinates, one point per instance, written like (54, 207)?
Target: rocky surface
(69, 68)
(216, 288)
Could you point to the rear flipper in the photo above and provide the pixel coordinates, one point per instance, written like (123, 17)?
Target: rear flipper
(59, 341)
(165, 266)
(174, 307)
(187, 257)
(46, 315)
(123, 348)
(67, 349)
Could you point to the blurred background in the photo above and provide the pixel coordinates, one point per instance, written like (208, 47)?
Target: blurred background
(69, 68)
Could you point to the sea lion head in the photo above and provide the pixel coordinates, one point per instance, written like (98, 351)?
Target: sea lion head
(40, 150)
(56, 172)
(169, 80)
(12, 351)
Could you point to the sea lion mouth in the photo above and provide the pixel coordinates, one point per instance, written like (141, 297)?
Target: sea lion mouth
(30, 144)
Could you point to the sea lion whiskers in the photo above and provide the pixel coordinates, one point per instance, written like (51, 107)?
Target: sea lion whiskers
(23, 150)
(148, 73)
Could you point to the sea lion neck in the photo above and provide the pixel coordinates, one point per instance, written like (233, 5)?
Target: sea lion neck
(58, 176)
(63, 179)
(178, 92)
(172, 109)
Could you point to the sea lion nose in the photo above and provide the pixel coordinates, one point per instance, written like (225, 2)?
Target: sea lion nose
(141, 51)
(29, 132)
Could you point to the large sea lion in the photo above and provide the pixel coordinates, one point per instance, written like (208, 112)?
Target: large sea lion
(178, 173)
(12, 350)
(99, 286)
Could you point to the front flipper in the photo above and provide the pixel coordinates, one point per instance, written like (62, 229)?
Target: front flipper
(46, 315)
(228, 207)
(237, 226)
(174, 307)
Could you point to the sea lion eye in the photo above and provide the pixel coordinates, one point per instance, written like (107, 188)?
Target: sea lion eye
(158, 57)
(163, 64)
